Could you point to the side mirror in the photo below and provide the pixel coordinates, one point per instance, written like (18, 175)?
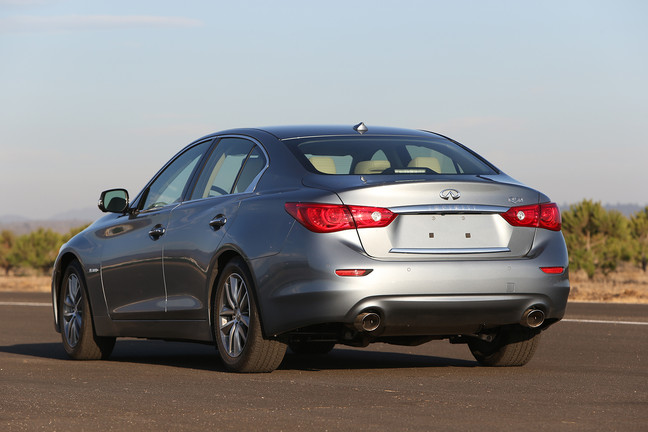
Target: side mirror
(113, 201)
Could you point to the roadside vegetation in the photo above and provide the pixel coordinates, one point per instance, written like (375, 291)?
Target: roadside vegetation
(32, 254)
(608, 254)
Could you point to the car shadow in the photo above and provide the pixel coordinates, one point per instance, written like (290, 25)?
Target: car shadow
(204, 357)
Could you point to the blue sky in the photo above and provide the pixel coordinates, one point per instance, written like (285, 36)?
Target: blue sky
(100, 94)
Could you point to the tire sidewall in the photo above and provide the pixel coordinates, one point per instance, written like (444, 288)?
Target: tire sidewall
(86, 317)
(236, 266)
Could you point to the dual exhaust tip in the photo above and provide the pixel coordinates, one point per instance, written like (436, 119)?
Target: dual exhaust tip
(370, 321)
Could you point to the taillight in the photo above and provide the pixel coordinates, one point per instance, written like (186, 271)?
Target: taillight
(335, 217)
(545, 216)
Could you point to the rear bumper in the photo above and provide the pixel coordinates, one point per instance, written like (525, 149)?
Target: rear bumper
(453, 315)
(443, 297)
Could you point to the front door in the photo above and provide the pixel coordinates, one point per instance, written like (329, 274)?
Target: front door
(132, 269)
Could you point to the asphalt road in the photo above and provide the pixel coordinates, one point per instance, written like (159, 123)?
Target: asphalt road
(585, 376)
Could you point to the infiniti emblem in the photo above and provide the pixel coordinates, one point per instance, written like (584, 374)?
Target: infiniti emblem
(449, 193)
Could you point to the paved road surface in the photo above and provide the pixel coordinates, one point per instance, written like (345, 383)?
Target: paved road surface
(585, 376)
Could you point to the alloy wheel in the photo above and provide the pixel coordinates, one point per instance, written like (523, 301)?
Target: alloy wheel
(234, 315)
(72, 311)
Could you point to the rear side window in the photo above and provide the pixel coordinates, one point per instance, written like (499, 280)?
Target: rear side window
(387, 155)
(231, 168)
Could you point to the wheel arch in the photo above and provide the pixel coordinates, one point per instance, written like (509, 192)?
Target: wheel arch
(225, 255)
(60, 266)
(62, 262)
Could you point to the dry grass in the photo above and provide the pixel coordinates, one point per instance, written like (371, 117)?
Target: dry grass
(627, 285)
(25, 283)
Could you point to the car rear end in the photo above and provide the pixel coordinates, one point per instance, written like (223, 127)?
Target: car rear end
(403, 238)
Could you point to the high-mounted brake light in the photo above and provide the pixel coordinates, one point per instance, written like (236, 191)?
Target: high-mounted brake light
(336, 217)
(545, 216)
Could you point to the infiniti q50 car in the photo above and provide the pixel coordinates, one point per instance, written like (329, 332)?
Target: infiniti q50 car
(309, 236)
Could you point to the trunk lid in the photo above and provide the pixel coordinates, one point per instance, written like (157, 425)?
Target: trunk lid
(449, 217)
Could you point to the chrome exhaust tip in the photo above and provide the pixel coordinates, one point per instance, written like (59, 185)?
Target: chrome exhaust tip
(367, 321)
(533, 318)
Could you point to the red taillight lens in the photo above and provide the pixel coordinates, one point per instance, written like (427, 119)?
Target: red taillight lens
(553, 270)
(371, 217)
(545, 216)
(550, 217)
(321, 217)
(333, 217)
(353, 272)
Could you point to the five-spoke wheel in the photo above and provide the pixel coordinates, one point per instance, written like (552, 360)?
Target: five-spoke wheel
(77, 331)
(237, 329)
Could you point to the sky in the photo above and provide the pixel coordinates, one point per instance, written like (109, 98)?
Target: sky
(100, 94)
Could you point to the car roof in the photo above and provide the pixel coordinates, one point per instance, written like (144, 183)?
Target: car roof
(287, 132)
(304, 131)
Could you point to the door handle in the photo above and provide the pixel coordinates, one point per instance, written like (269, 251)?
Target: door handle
(218, 222)
(157, 232)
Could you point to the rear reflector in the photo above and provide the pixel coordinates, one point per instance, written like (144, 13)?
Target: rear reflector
(553, 270)
(336, 217)
(545, 216)
(353, 272)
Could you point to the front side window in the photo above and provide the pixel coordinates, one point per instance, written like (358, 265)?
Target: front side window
(231, 168)
(170, 185)
(387, 155)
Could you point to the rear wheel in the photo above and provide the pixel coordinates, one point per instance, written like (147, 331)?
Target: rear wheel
(77, 331)
(237, 328)
(512, 346)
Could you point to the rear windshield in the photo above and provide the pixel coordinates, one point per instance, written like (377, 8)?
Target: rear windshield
(385, 155)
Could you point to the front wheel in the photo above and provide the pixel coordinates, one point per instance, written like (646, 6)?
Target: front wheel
(237, 328)
(512, 346)
(77, 331)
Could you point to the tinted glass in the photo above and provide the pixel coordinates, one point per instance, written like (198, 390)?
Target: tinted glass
(253, 166)
(222, 168)
(169, 186)
(387, 155)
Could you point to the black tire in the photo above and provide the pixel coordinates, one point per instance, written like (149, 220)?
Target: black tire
(512, 346)
(237, 328)
(311, 347)
(77, 330)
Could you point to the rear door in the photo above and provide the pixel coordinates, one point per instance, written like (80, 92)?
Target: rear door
(198, 226)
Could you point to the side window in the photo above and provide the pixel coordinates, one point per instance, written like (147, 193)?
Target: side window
(253, 166)
(223, 167)
(169, 186)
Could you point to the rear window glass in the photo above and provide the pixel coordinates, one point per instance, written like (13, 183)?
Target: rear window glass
(385, 155)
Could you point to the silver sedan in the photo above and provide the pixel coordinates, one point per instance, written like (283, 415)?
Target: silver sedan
(310, 236)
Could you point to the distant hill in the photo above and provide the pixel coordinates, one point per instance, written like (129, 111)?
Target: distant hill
(61, 223)
(626, 209)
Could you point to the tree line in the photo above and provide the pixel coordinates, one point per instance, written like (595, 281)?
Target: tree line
(598, 240)
(36, 250)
